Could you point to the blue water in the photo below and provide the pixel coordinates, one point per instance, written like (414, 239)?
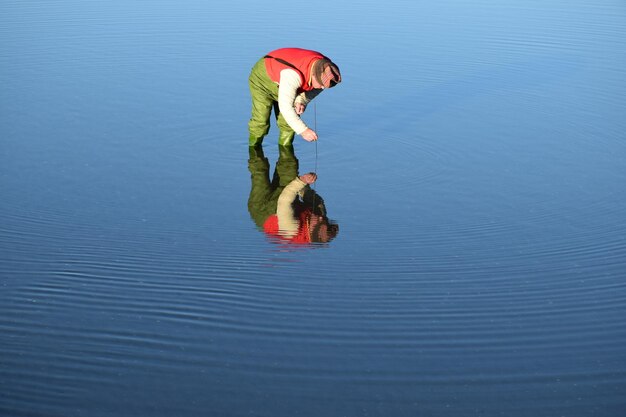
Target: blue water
(474, 158)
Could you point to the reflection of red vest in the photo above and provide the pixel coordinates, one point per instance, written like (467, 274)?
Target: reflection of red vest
(301, 59)
(302, 237)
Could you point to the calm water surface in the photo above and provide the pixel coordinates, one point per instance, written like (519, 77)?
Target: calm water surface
(474, 159)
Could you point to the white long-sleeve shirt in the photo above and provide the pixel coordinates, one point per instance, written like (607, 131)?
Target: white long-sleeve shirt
(288, 221)
(287, 97)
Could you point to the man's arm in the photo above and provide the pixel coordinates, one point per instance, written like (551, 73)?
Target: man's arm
(288, 222)
(288, 86)
(306, 97)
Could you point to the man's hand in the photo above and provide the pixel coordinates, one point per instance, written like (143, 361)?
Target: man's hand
(309, 135)
(299, 107)
(309, 178)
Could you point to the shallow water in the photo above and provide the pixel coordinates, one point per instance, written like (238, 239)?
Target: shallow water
(473, 158)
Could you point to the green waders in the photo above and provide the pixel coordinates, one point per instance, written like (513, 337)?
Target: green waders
(264, 94)
(264, 193)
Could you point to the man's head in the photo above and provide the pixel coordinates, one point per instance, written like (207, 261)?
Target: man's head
(322, 230)
(325, 74)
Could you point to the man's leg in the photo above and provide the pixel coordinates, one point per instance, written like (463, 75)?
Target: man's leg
(286, 135)
(260, 189)
(263, 97)
(286, 167)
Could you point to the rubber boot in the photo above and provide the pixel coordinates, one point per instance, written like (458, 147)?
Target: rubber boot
(256, 152)
(286, 138)
(286, 152)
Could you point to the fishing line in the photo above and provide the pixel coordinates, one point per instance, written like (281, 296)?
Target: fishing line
(315, 128)
(315, 171)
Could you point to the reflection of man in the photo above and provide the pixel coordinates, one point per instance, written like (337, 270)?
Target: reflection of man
(287, 209)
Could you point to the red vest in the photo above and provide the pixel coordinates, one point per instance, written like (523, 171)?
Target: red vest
(302, 237)
(301, 59)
